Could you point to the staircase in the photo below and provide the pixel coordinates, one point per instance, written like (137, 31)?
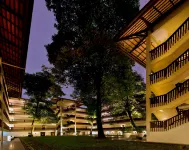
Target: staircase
(163, 74)
(171, 41)
(178, 120)
(180, 90)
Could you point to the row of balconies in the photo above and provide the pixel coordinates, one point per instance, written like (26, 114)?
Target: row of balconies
(163, 74)
(166, 74)
(29, 129)
(169, 81)
(171, 41)
(139, 121)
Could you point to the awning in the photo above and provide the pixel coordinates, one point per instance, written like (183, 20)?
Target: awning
(132, 39)
(15, 21)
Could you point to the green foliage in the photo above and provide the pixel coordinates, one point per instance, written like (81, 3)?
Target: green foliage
(141, 129)
(83, 51)
(44, 113)
(41, 88)
(77, 18)
(42, 84)
(127, 98)
(127, 129)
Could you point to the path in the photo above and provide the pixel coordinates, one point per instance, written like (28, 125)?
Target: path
(13, 145)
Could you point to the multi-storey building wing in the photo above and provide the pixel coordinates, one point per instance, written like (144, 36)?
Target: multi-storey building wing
(21, 123)
(158, 39)
(15, 21)
(73, 119)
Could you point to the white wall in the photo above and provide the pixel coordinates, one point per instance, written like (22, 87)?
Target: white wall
(178, 135)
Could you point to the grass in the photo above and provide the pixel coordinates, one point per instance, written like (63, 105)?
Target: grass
(90, 143)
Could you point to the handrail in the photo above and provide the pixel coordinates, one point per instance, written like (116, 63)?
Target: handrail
(5, 126)
(170, 69)
(172, 40)
(171, 95)
(29, 128)
(20, 121)
(160, 126)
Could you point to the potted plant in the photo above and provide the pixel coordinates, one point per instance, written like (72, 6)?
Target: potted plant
(140, 132)
(127, 132)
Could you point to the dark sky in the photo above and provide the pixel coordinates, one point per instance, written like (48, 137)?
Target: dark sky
(42, 28)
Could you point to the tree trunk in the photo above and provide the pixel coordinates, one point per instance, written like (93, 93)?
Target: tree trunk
(132, 120)
(36, 111)
(32, 129)
(99, 107)
(91, 132)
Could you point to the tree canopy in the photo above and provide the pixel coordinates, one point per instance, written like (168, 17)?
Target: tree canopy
(127, 97)
(76, 18)
(41, 88)
(83, 51)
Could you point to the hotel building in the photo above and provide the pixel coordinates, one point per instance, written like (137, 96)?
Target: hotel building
(158, 39)
(73, 119)
(15, 21)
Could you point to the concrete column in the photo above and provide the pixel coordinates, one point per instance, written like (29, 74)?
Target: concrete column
(75, 122)
(61, 132)
(148, 91)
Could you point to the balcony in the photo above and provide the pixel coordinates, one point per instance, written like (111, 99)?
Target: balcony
(165, 73)
(29, 129)
(16, 121)
(178, 120)
(180, 90)
(171, 41)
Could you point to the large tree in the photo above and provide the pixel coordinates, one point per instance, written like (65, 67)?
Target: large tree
(127, 97)
(83, 51)
(41, 88)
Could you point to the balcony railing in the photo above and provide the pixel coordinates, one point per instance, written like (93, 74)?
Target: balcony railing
(172, 68)
(160, 126)
(5, 126)
(29, 128)
(171, 41)
(165, 99)
(20, 121)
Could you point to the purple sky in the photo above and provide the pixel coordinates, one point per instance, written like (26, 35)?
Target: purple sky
(42, 29)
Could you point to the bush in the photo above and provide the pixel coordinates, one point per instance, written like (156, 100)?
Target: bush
(128, 130)
(140, 130)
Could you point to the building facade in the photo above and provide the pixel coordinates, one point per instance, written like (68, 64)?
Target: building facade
(73, 119)
(158, 39)
(15, 21)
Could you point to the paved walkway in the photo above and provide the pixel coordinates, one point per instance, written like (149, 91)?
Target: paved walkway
(13, 145)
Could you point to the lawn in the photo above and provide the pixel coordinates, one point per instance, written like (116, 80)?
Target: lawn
(90, 143)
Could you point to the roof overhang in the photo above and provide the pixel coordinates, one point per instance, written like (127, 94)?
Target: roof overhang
(132, 39)
(15, 21)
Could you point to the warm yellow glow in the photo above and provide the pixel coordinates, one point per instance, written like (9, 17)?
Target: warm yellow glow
(159, 36)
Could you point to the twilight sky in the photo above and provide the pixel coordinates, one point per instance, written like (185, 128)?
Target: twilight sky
(42, 28)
